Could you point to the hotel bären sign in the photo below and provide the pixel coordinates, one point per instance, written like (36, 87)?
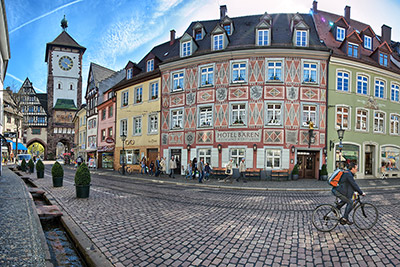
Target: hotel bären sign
(237, 136)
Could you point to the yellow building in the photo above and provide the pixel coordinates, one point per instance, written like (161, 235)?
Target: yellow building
(137, 117)
(80, 132)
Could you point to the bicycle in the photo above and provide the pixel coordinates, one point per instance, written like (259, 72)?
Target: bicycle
(326, 217)
(128, 170)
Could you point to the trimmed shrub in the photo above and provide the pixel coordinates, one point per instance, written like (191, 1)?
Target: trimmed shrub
(39, 166)
(31, 165)
(57, 170)
(324, 170)
(82, 175)
(295, 169)
(23, 165)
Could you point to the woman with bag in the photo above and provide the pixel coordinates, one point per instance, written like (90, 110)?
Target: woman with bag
(229, 171)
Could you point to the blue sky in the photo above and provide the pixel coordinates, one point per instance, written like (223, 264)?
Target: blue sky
(116, 31)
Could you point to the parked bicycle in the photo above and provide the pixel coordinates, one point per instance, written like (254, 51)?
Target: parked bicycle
(128, 170)
(326, 216)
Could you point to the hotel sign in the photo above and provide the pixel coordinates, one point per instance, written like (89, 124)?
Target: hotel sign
(238, 136)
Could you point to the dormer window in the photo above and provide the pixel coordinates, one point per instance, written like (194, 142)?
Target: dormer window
(150, 65)
(186, 49)
(129, 74)
(227, 28)
(263, 37)
(218, 42)
(383, 59)
(367, 42)
(340, 33)
(198, 34)
(352, 50)
(301, 38)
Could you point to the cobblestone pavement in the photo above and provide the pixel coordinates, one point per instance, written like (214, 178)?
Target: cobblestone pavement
(136, 222)
(21, 240)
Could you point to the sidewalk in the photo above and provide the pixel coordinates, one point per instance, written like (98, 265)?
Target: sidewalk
(284, 185)
(22, 242)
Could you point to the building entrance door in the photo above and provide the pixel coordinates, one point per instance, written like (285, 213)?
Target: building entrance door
(368, 163)
(306, 162)
(152, 155)
(177, 156)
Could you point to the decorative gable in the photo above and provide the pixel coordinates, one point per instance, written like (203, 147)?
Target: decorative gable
(382, 54)
(301, 31)
(351, 45)
(267, 18)
(227, 24)
(263, 33)
(341, 22)
(187, 45)
(367, 35)
(219, 31)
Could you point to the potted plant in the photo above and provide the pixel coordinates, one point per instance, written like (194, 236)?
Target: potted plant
(324, 173)
(295, 172)
(40, 169)
(82, 181)
(23, 165)
(31, 166)
(57, 172)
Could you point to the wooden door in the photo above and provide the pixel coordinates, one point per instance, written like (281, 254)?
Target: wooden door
(306, 163)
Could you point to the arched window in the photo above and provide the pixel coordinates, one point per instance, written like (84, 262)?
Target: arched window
(59, 85)
(71, 87)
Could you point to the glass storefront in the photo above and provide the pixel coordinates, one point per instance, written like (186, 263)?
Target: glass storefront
(390, 158)
(349, 154)
(107, 160)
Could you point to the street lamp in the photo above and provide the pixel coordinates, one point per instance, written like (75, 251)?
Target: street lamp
(310, 133)
(340, 133)
(123, 138)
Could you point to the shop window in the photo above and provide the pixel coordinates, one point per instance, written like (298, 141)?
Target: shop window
(273, 158)
(390, 158)
(348, 154)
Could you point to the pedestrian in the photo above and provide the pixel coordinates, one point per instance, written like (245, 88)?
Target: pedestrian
(151, 168)
(242, 171)
(172, 167)
(143, 166)
(200, 168)
(79, 160)
(229, 171)
(207, 171)
(189, 170)
(194, 168)
(162, 166)
(158, 166)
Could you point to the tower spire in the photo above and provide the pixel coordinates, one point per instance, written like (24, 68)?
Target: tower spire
(64, 23)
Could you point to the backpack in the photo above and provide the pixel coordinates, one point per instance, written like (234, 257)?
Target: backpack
(335, 177)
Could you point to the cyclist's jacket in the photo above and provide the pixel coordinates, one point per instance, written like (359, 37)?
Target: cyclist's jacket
(347, 185)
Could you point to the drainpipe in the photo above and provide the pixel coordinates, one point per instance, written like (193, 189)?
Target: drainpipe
(327, 107)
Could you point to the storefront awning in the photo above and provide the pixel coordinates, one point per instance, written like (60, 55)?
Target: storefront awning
(20, 146)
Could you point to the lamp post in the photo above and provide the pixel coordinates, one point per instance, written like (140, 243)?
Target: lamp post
(340, 133)
(310, 133)
(123, 138)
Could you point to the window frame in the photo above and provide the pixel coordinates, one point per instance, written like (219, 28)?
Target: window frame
(103, 135)
(274, 68)
(340, 33)
(231, 122)
(304, 124)
(220, 43)
(182, 111)
(207, 67)
(267, 103)
(340, 74)
(110, 133)
(121, 127)
(150, 128)
(367, 40)
(103, 114)
(204, 153)
(110, 111)
(150, 65)
(394, 122)
(151, 95)
(199, 117)
(382, 87)
(357, 116)
(342, 114)
(354, 49)
(137, 99)
(362, 82)
(395, 92)
(124, 96)
(274, 150)
(239, 69)
(265, 34)
(129, 73)
(299, 39)
(237, 156)
(383, 121)
(383, 59)
(137, 125)
(181, 76)
(304, 68)
(186, 48)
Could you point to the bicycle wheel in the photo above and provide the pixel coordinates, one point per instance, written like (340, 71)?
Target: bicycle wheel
(365, 216)
(325, 217)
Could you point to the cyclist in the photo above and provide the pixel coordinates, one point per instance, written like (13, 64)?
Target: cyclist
(345, 190)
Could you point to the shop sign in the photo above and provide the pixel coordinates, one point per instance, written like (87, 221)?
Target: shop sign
(130, 142)
(238, 136)
(109, 140)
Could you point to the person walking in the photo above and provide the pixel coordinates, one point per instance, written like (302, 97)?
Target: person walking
(143, 166)
(200, 168)
(158, 167)
(162, 166)
(242, 171)
(189, 170)
(172, 167)
(229, 171)
(194, 168)
(345, 190)
(79, 160)
(151, 168)
(207, 171)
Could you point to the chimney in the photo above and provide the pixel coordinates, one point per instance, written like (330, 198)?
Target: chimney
(172, 39)
(347, 14)
(315, 6)
(222, 11)
(386, 34)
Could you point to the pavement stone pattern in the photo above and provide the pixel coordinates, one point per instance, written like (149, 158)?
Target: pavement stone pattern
(20, 243)
(136, 222)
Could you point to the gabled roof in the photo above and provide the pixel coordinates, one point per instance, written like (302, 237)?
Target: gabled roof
(368, 30)
(65, 104)
(341, 21)
(64, 40)
(355, 36)
(99, 73)
(108, 83)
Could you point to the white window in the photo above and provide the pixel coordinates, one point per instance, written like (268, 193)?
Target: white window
(379, 122)
(205, 116)
(274, 114)
(124, 127)
(362, 85)
(309, 115)
(218, 42)
(207, 76)
(205, 154)
(352, 50)
(394, 93)
(153, 123)
(137, 125)
(394, 124)
(367, 42)
(273, 158)
(177, 119)
(227, 28)
(237, 154)
(186, 49)
(310, 72)
(177, 81)
(362, 120)
(238, 112)
(383, 59)
(125, 99)
(138, 95)
(150, 65)
(263, 36)
(343, 81)
(154, 91)
(301, 38)
(239, 72)
(342, 117)
(379, 88)
(274, 70)
(198, 34)
(129, 74)
(340, 33)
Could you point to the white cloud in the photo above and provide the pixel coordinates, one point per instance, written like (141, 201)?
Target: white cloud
(164, 6)
(21, 82)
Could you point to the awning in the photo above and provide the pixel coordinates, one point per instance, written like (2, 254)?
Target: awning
(20, 146)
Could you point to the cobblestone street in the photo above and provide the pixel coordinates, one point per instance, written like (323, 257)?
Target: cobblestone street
(141, 223)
